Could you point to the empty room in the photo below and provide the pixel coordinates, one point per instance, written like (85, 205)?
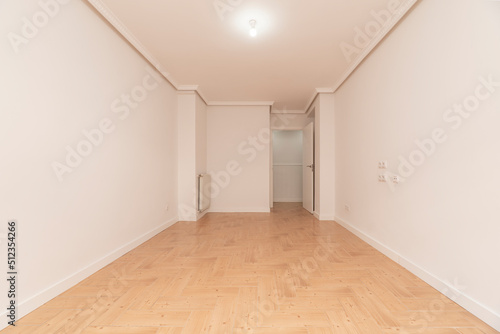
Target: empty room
(250, 166)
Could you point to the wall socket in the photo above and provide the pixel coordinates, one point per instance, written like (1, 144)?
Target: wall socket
(396, 179)
(382, 178)
(347, 208)
(382, 164)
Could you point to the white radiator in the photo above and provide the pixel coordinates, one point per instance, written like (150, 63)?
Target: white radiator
(204, 181)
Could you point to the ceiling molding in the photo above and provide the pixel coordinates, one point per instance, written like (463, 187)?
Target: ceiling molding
(240, 103)
(127, 34)
(311, 104)
(311, 101)
(315, 95)
(325, 90)
(201, 95)
(193, 88)
(130, 37)
(186, 92)
(365, 52)
(400, 13)
(285, 111)
(123, 30)
(188, 87)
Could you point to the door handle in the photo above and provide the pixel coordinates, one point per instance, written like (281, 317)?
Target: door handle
(311, 166)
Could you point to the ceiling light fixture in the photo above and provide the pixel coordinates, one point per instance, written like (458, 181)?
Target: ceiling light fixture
(253, 30)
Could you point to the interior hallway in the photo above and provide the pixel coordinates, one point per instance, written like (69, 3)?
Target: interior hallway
(283, 272)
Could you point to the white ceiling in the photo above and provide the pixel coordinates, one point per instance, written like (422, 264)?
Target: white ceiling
(297, 49)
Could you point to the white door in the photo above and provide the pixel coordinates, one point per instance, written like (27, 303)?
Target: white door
(308, 168)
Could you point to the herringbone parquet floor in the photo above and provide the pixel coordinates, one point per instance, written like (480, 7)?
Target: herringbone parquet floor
(283, 272)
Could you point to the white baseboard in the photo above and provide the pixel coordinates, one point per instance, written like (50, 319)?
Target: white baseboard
(31, 303)
(393, 255)
(188, 218)
(242, 210)
(320, 216)
(471, 305)
(201, 214)
(288, 200)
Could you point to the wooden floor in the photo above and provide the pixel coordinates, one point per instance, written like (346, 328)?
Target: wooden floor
(283, 272)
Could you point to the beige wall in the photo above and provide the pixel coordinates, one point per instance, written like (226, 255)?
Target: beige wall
(192, 152)
(201, 136)
(186, 156)
(442, 222)
(79, 211)
(238, 158)
(74, 76)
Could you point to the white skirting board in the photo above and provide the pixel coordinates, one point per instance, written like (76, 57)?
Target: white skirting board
(31, 303)
(288, 200)
(323, 217)
(468, 303)
(241, 210)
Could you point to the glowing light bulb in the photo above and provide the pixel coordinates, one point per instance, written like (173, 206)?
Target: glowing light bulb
(253, 30)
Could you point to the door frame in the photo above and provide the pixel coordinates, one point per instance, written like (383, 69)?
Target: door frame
(271, 162)
(314, 165)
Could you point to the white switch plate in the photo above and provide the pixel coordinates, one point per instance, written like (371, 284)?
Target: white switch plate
(382, 178)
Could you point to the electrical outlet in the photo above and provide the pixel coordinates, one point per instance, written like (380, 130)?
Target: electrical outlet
(382, 164)
(382, 178)
(347, 208)
(396, 179)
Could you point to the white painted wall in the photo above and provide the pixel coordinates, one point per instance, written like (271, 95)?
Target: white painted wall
(201, 135)
(192, 151)
(53, 90)
(443, 221)
(201, 144)
(287, 147)
(287, 166)
(186, 122)
(238, 152)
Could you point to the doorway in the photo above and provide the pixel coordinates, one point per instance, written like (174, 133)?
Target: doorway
(293, 166)
(287, 165)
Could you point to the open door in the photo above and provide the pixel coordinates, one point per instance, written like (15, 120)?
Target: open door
(308, 167)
